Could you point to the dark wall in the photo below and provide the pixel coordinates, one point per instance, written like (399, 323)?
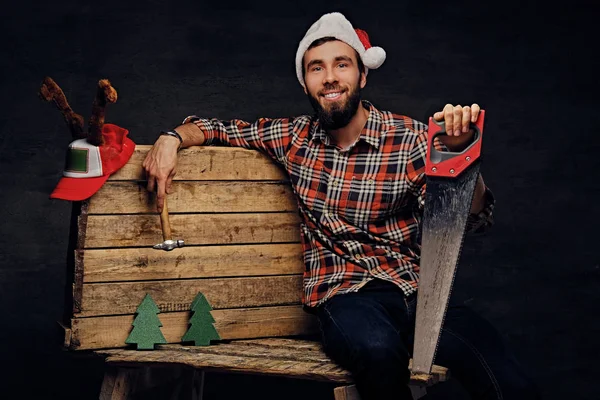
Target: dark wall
(535, 275)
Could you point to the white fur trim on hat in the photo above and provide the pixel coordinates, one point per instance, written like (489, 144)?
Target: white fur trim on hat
(337, 26)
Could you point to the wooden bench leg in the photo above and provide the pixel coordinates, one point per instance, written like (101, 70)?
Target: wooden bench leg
(346, 393)
(197, 385)
(350, 392)
(122, 383)
(117, 384)
(190, 386)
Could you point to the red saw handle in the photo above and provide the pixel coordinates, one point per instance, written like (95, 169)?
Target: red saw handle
(451, 164)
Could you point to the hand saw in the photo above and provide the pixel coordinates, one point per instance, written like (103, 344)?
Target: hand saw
(450, 184)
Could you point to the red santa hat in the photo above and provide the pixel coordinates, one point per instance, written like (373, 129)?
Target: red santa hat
(337, 26)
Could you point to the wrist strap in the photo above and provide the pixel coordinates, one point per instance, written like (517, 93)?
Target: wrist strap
(174, 134)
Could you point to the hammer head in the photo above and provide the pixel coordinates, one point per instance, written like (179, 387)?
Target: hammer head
(168, 245)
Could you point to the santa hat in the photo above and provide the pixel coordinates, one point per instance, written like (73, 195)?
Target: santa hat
(337, 26)
(88, 166)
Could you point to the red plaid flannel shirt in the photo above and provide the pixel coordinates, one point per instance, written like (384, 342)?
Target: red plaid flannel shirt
(360, 207)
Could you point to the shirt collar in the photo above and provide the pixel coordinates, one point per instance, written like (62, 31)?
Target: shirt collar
(371, 133)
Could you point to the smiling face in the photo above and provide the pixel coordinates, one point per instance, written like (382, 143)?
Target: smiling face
(333, 82)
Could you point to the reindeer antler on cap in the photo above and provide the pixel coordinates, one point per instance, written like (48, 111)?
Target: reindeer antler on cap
(93, 156)
(50, 91)
(105, 94)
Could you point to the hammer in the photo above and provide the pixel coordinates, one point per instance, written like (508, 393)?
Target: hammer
(168, 244)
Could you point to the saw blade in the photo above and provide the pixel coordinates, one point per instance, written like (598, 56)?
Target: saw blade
(445, 216)
(450, 185)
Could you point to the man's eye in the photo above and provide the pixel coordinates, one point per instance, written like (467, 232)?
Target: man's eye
(316, 69)
(343, 65)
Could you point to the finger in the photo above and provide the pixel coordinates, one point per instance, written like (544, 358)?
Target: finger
(466, 118)
(475, 109)
(151, 183)
(146, 160)
(160, 194)
(438, 116)
(457, 120)
(449, 118)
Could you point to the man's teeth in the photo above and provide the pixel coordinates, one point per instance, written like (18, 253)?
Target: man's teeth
(332, 95)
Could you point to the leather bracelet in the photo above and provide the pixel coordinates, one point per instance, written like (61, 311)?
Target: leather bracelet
(174, 134)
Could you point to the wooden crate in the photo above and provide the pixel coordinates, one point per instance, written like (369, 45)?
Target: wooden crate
(237, 213)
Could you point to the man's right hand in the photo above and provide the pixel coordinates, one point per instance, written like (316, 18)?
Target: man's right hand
(159, 166)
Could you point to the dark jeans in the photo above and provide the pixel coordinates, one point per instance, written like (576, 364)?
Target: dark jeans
(370, 333)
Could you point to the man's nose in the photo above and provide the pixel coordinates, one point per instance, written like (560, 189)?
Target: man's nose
(330, 76)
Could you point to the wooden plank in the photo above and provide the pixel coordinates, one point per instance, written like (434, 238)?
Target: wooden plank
(270, 353)
(287, 343)
(191, 196)
(320, 371)
(227, 357)
(307, 350)
(177, 295)
(312, 350)
(111, 331)
(112, 265)
(195, 229)
(209, 163)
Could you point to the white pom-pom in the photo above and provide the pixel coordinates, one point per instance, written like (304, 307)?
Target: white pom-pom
(373, 57)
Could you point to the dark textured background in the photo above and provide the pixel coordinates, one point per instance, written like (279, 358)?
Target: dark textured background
(535, 275)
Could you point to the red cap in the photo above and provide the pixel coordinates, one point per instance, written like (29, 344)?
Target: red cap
(87, 167)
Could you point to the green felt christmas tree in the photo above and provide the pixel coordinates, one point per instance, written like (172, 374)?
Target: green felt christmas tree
(201, 330)
(146, 326)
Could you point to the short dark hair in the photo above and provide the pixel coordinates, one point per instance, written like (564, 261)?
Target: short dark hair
(318, 42)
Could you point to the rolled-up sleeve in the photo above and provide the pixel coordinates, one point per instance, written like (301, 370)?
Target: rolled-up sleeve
(271, 136)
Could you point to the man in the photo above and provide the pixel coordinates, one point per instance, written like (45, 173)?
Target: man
(358, 174)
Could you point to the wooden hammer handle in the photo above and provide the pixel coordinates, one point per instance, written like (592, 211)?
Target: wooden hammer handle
(164, 221)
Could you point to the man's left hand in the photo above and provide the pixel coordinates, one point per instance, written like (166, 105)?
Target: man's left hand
(457, 120)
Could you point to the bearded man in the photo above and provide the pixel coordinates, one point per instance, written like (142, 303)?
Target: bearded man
(359, 178)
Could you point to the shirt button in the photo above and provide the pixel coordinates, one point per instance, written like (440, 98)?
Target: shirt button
(370, 181)
(357, 257)
(334, 183)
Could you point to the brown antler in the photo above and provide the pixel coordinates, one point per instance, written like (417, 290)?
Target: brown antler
(105, 94)
(50, 91)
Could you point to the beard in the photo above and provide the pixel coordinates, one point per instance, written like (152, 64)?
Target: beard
(339, 114)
